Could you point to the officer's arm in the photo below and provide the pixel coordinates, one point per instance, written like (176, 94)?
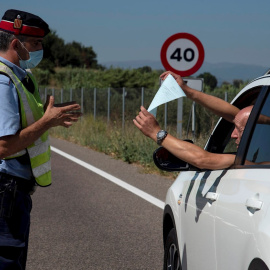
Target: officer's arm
(54, 116)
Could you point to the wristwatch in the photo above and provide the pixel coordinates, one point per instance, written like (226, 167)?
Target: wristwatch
(161, 135)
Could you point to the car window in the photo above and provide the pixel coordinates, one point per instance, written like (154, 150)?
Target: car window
(220, 141)
(259, 147)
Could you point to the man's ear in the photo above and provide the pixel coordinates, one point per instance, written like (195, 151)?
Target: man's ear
(15, 43)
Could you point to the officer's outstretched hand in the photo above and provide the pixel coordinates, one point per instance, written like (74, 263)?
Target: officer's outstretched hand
(147, 123)
(61, 114)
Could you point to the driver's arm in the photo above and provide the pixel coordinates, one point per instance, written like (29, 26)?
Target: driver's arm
(186, 151)
(216, 105)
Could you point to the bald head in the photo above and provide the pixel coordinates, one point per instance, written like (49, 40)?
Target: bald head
(243, 115)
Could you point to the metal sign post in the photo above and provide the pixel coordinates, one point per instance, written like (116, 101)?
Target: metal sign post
(196, 84)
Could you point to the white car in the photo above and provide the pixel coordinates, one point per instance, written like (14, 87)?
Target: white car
(220, 219)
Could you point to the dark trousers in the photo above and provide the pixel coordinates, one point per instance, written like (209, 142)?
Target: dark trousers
(15, 211)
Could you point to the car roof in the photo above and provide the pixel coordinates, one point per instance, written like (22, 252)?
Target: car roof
(260, 81)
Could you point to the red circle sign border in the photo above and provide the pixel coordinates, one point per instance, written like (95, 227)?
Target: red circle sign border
(167, 43)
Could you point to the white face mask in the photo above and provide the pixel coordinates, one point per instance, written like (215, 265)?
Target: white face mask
(34, 59)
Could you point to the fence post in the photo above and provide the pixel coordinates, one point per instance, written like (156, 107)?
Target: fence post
(70, 94)
(95, 103)
(61, 95)
(45, 95)
(53, 92)
(179, 117)
(193, 119)
(82, 99)
(165, 115)
(123, 108)
(226, 96)
(109, 105)
(142, 99)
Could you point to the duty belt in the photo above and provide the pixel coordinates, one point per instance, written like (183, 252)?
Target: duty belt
(24, 185)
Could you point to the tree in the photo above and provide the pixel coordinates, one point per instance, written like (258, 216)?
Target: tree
(89, 57)
(145, 69)
(53, 48)
(209, 80)
(237, 83)
(72, 54)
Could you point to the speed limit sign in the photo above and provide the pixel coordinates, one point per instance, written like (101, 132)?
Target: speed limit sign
(182, 54)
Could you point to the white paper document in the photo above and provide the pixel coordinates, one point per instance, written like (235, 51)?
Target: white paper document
(168, 91)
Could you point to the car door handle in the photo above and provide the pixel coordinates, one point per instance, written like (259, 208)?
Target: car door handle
(254, 204)
(211, 196)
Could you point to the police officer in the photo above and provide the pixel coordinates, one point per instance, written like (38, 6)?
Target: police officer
(24, 145)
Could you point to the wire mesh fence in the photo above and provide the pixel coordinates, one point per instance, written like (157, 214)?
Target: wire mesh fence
(121, 105)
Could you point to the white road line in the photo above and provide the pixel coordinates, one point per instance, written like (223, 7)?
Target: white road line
(113, 179)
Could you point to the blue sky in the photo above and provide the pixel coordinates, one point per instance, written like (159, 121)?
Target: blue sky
(123, 30)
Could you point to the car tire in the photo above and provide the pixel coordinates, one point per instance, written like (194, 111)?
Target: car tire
(171, 252)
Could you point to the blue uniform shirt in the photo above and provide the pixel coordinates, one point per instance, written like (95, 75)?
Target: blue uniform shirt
(10, 121)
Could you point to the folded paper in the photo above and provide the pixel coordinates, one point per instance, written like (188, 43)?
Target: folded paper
(168, 91)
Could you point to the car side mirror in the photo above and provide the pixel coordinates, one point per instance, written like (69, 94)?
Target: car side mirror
(166, 161)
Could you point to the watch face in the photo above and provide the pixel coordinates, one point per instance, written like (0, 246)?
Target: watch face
(161, 134)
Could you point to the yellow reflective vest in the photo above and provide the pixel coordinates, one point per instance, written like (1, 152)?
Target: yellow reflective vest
(31, 110)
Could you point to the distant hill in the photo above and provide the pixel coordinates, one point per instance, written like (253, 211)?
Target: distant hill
(222, 71)
(229, 71)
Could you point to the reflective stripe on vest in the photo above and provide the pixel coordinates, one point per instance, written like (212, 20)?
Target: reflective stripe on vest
(31, 111)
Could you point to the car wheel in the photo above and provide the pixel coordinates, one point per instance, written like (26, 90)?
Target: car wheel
(171, 252)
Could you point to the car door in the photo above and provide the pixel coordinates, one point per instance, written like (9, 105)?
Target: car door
(198, 208)
(201, 195)
(242, 215)
(197, 212)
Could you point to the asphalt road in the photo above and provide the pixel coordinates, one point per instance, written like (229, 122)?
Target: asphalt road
(83, 221)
